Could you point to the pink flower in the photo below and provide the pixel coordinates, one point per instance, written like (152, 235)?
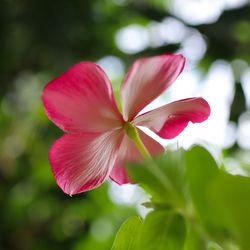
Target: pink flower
(81, 102)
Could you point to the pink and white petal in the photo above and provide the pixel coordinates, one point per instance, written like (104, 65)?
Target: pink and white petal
(118, 174)
(146, 80)
(81, 162)
(81, 99)
(129, 153)
(169, 120)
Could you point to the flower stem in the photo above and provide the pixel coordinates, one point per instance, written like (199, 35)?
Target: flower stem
(133, 134)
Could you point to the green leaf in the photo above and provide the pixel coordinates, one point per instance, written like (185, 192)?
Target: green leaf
(194, 240)
(221, 200)
(201, 169)
(232, 206)
(162, 177)
(214, 203)
(127, 236)
(163, 230)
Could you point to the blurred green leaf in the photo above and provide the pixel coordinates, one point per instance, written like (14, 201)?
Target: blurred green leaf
(127, 236)
(193, 239)
(163, 178)
(163, 230)
(213, 202)
(160, 230)
(229, 196)
(201, 169)
(220, 199)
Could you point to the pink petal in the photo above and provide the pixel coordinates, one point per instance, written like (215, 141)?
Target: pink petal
(81, 162)
(81, 99)
(146, 80)
(129, 153)
(169, 120)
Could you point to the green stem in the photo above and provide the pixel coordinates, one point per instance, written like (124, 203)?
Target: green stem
(132, 133)
(134, 136)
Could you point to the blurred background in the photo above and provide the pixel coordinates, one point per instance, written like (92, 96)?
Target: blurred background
(41, 39)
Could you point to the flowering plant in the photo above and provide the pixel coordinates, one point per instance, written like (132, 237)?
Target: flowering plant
(100, 138)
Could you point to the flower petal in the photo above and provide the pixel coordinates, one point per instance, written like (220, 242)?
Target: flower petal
(81, 99)
(169, 120)
(146, 80)
(81, 162)
(129, 153)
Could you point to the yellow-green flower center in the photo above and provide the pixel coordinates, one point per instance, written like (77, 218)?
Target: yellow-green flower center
(130, 130)
(133, 134)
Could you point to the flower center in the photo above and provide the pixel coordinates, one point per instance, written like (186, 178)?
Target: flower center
(133, 134)
(130, 130)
